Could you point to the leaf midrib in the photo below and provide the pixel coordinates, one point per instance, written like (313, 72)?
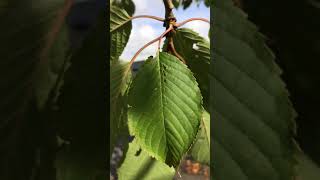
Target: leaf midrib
(162, 98)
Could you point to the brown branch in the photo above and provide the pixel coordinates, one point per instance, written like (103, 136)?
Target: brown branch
(169, 7)
(169, 16)
(170, 23)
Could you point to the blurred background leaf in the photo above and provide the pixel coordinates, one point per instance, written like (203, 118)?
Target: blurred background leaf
(253, 119)
(81, 118)
(24, 34)
(292, 31)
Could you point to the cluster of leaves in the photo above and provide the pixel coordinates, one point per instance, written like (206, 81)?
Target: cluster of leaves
(166, 106)
(162, 106)
(254, 126)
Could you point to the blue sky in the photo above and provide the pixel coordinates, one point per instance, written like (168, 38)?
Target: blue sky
(145, 30)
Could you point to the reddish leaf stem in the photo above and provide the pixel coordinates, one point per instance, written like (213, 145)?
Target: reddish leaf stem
(148, 44)
(162, 35)
(147, 16)
(192, 19)
(174, 51)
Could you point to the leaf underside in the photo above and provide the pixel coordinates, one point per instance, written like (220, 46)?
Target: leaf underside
(164, 108)
(253, 124)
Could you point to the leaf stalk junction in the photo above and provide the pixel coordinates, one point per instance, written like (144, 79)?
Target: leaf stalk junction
(172, 26)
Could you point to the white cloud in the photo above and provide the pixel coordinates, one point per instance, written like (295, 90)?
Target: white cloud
(151, 7)
(147, 32)
(141, 5)
(141, 35)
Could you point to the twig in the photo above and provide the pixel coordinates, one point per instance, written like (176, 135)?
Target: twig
(141, 49)
(174, 52)
(192, 19)
(167, 31)
(147, 16)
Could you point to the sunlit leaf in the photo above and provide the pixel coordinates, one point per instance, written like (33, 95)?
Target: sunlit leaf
(165, 108)
(201, 148)
(196, 52)
(139, 165)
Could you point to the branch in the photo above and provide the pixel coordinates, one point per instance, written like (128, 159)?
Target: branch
(169, 16)
(170, 23)
(169, 7)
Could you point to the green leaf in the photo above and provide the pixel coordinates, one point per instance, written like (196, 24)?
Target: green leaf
(186, 3)
(195, 50)
(201, 148)
(139, 165)
(128, 5)
(119, 78)
(120, 29)
(176, 3)
(165, 108)
(253, 127)
(230, 16)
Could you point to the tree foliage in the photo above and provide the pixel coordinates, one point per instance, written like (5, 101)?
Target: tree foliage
(52, 120)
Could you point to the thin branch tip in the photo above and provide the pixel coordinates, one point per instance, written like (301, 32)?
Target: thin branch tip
(148, 16)
(192, 19)
(145, 46)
